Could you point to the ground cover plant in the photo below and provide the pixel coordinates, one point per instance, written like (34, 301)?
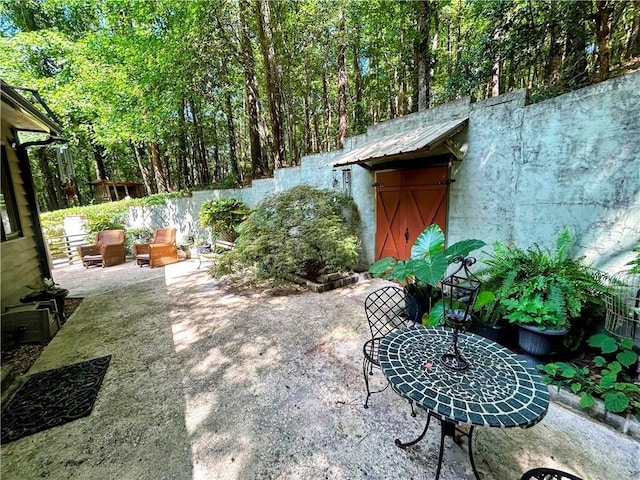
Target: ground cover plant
(609, 377)
(303, 231)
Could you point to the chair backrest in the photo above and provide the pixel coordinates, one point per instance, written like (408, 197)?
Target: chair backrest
(165, 235)
(110, 237)
(389, 308)
(548, 474)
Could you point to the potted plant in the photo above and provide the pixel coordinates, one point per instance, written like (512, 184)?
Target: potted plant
(223, 216)
(544, 293)
(47, 289)
(421, 273)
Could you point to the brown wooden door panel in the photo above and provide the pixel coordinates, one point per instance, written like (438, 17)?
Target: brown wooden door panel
(406, 203)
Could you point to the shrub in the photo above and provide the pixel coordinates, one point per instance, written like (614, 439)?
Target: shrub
(223, 217)
(303, 231)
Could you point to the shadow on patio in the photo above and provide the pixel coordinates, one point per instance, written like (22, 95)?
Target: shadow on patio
(205, 383)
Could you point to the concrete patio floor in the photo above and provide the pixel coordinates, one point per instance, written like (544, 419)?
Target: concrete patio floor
(208, 383)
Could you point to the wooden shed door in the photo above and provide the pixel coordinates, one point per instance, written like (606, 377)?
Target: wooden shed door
(408, 201)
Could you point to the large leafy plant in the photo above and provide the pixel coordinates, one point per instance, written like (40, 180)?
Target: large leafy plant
(543, 288)
(421, 273)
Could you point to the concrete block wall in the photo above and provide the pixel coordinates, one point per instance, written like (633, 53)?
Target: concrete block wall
(528, 171)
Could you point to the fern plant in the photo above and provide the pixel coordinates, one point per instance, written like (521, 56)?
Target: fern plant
(539, 287)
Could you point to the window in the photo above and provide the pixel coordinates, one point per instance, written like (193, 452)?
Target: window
(8, 205)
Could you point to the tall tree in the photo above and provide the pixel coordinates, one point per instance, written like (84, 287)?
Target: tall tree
(342, 81)
(274, 93)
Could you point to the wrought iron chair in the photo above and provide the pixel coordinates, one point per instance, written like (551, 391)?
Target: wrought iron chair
(387, 308)
(548, 474)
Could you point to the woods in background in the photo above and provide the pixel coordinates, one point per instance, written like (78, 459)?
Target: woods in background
(187, 94)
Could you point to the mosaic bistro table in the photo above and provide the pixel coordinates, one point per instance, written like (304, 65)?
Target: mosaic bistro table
(499, 389)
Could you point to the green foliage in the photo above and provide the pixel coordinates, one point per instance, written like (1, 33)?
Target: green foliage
(137, 235)
(303, 231)
(429, 261)
(635, 263)
(223, 216)
(611, 379)
(547, 289)
(102, 216)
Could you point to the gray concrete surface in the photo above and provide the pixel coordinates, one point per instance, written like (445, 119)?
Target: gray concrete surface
(207, 382)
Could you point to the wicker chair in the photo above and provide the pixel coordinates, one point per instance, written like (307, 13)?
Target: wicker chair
(548, 474)
(107, 251)
(387, 308)
(161, 251)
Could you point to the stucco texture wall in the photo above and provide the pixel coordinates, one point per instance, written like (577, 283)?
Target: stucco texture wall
(527, 172)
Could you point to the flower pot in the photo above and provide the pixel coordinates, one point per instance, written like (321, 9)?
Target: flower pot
(537, 341)
(505, 335)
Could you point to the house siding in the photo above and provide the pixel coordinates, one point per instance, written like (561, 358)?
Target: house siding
(20, 258)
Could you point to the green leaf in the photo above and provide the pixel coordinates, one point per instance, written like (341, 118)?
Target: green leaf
(436, 315)
(429, 242)
(614, 367)
(463, 248)
(382, 266)
(599, 361)
(608, 381)
(627, 358)
(586, 400)
(484, 298)
(606, 343)
(569, 372)
(626, 343)
(616, 402)
(430, 269)
(576, 387)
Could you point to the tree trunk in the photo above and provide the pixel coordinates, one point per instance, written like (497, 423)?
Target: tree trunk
(217, 169)
(422, 53)
(156, 163)
(342, 81)
(51, 181)
(603, 37)
(575, 69)
(553, 70)
(273, 81)
(327, 110)
(258, 169)
(144, 171)
(358, 111)
(202, 151)
(98, 155)
(231, 127)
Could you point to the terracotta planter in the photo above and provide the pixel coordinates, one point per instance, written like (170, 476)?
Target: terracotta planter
(537, 341)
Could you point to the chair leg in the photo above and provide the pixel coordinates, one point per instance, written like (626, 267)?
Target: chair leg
(365, 364)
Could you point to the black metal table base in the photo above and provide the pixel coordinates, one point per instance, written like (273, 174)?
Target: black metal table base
(447, 429)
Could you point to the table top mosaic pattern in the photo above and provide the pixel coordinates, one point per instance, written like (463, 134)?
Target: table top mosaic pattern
(498, 390)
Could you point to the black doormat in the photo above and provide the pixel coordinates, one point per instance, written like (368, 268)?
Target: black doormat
(53, 398)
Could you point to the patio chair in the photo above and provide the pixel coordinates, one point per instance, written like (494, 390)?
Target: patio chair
(548, 474)
(107, 251)
(387, 308)
(161, 251)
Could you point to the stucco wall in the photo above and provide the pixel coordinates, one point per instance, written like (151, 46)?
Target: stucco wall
(528, 171)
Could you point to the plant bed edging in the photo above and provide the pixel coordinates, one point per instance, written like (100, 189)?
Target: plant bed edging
(331, 281)
(627, 424)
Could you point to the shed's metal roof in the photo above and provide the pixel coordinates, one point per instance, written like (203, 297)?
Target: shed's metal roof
(415, 141)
